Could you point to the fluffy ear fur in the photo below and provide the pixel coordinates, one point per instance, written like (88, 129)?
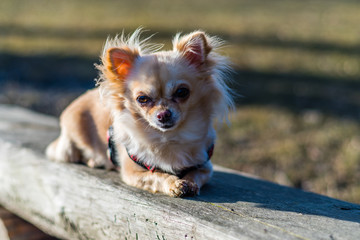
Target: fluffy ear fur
(194, 47)
(119, 61)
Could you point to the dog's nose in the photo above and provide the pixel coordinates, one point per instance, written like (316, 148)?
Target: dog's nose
(164, 116)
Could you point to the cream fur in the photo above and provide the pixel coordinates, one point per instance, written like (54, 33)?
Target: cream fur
(131, 68)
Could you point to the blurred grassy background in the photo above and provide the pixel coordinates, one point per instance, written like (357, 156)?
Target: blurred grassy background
(297, 65)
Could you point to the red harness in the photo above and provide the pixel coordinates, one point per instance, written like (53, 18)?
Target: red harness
(114, 157)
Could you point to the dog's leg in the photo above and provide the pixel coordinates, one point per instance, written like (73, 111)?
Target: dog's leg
(200, 176)
(79, 145)
(134, 175)
(63, 149)
(94, 156)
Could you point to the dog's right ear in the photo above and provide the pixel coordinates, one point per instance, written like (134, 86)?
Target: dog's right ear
(120, 61)
(194, 47)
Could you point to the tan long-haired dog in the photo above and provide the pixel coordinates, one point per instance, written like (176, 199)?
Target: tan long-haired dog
(160, 105)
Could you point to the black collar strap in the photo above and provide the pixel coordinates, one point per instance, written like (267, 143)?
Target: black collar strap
(114, 157)
(180, 173)
(112, 152)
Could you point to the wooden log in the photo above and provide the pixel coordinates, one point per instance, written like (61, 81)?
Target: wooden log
(72, 201)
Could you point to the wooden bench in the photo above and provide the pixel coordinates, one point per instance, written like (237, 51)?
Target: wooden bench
(72, 201)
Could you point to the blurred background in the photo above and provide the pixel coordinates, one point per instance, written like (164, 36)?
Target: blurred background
(297, 65)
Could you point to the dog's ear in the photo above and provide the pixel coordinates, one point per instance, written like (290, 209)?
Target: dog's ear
(120, 61)
(194, 46)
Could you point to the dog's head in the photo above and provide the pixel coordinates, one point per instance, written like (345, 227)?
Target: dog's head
(166, 89)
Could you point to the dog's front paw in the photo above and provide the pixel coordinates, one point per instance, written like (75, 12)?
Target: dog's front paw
(182, 188)
(100, 164)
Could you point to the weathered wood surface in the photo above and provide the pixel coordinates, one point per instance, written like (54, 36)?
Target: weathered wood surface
(74, 202)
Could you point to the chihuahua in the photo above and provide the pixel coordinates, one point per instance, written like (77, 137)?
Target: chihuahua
(160, 107)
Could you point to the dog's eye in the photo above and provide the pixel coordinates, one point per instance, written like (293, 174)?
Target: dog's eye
(143, 99)
(182, 93)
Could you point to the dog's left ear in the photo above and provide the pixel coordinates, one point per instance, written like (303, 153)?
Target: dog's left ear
(194, 46)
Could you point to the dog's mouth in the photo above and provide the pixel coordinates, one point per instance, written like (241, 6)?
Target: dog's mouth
(166, 126)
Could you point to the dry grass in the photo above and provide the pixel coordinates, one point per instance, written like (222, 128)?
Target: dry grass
(307, 150)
